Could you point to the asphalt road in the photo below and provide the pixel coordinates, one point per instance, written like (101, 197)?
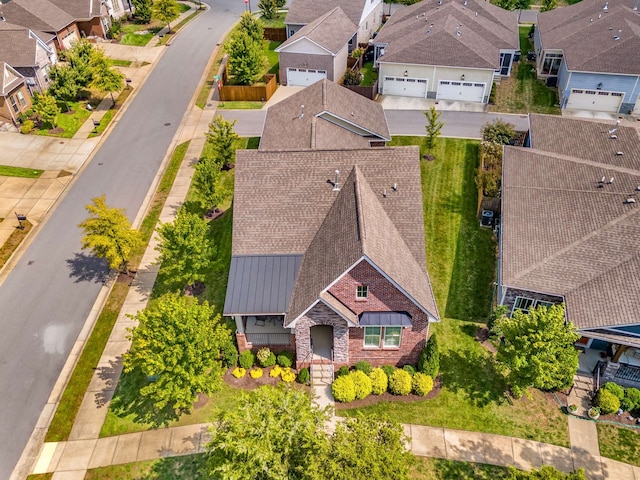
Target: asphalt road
(401, 122)
(45, 300)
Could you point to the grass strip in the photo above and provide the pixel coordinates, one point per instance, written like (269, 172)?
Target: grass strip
(177, 27)
(73, 394)
(619, 443)
(14, 240)
(109, 114)
(240, 105)
(6, 171)
(121, 63)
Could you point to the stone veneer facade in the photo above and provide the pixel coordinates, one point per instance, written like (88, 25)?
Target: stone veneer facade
(321, 314)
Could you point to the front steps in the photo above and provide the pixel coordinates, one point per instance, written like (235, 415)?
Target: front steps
(322, 373)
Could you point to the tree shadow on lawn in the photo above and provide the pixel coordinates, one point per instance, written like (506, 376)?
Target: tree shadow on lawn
(87, 268)
(473, 373)
(189, 467)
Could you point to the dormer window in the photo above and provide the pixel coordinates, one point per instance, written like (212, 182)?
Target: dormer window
(361, 292)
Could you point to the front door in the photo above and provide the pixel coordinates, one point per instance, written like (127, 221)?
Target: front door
(322, 341)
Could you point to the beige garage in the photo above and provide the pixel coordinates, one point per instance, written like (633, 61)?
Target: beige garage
(598, 100)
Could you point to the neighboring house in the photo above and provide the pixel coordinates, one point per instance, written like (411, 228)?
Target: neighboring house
(324, 116)
(42, 16)
(365, 14)
(30, 53)
(328, 255)
(446, 50)
(318, 50)
(118, 8)
(591, 51)
(14, 95)
(570, 232)
(91, 16)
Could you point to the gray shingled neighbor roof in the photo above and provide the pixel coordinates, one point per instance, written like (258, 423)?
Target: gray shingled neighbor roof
(302, 12)
(285, 204)
(36, 15)
(332, 31)
(331, 114)
(585, 33)
(426, 34)
(79, 9)
(17, 48)
(564, 232)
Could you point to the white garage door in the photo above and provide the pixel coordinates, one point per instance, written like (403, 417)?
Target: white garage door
(303, 77)
(405, 86)
(461, 91)
(598, 100)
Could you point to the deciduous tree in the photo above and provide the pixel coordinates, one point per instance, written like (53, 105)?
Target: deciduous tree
(207, 186)
(80, 57)
(223, 140)
(548, 5)
(433, 127)
(142, 10)
(536, 349)
(108, 234)
(45, 106)
(499, 132)
(106, 79)
(63, 85)
(186, 251)
(246, 58)
(177, 346)
(166, 11)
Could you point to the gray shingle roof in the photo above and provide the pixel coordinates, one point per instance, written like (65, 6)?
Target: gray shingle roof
(79, 9)
(566, 234)
(285, 128)
(36, 15)
(302, 12)
(285, 205)
(584, 32)
(16, 47)
(425, 34)
(331, 31)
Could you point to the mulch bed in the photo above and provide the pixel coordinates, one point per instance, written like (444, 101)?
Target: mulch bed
(387, 397)
(126, 277)
(248, 383)
(626, 419)
(55, 131)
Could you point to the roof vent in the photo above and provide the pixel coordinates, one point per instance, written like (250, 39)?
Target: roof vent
(619, 154)
(615, 127)
(638, 188)
(439, 2)
(384, 193)
(464, 3)
(610, 181)
(613, 137)
(395, 187)
(2, 19)
(630, 200)
(606, 6)
(336, 185)
(301, 111)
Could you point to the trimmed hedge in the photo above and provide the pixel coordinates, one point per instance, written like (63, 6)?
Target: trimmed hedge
(614, 388)
(361, 384)
(343, 370)
(238, 372)
(410, 369)
(388, 370)
(607, 401)
(363, 366)
(343, 389)
(379, 381)
(247, 359)
(304, 377)
(429, 361)
(266, 357)
(400, 383)
(256, 372)
(421, 384)
(285, 359)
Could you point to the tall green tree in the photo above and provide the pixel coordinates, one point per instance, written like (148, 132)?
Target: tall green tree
(536, 349)
(252, 26)
(433, 127)
(268, 9)
(63, 85)
(166, 11)
(513, 4)
(107, 79)
(108, 234)
(46, 107)
(223, 140)
(186, 251)
(548, 5)
(246, 57)
(142, 10)
(80, 57)
(208, 188)
(499, 132)
(176, 346)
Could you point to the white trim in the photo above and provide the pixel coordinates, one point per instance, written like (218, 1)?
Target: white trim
(280, 48)
(359, 127)
(318, 300)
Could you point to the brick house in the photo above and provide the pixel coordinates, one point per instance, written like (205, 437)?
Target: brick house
(14, 95)
(570, 232)
(328, 255)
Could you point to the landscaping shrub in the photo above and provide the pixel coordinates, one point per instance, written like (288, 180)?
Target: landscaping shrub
(400, 383)
(288, 375)
(631, 399)
(27, 126)
(285, 359)
(266, 357)
(363, 366)
(247, 359)
(429, 361)
(499, 132)
(343, 370)
(614, 388)
(229, 355)
(238, 372)
(304, 377)
(607, 401)
(388, 370)
(379, 381)
(352, 77)
(361, 384)
(255, 372)
(275, 371)
(421, 384)
(410, 369)
(343, 389)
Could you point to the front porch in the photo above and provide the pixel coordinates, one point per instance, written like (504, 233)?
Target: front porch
(621, 366)
(262, 330)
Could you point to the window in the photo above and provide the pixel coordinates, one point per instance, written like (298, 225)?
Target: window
(544, 304)
(14, 105)
(526, 304)
(361, 292)
(390, 337)
(21, 99)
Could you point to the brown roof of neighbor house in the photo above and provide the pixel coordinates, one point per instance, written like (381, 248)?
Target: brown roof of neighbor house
(585, 33)
(566, 233)
(79, 9)
(17, 46)
(332, 31)
(451, 34)
(334, 117)
(36, 15)
(10, 79)
(285, 204)
(302, 12)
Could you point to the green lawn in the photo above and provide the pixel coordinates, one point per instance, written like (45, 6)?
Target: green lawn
(121, 63)
(273, 62)
(619, 443)
(6, 171)
(277, 22)
(440, 469)
(131, 37)
(461, 264)
(523, 92)
(70, 122)
(188, 467)
(240, 105)
(369, 74)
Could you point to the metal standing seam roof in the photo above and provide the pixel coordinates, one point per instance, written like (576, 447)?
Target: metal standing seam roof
(388, 319)
(261, 284)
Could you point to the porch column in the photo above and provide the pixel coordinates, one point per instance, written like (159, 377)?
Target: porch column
(619, 351)
(239, 323)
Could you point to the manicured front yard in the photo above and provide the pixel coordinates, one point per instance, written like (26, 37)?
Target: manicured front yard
(70, 121)
(523, 92)
(461, 259)
(619, 443)
(440, 469)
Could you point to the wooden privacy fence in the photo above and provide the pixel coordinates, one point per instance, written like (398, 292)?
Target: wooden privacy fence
(369, 92)
(275, 34)
(249, 93)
